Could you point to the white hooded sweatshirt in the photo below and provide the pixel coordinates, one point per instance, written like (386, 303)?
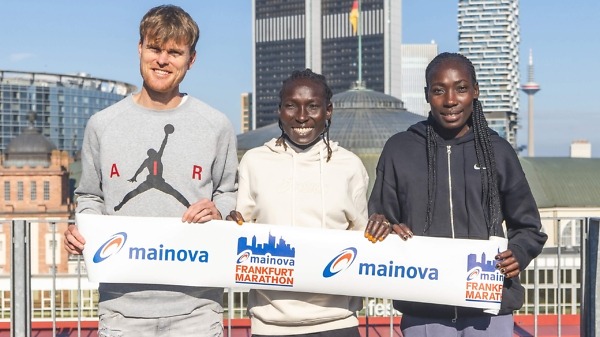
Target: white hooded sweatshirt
(300, 188)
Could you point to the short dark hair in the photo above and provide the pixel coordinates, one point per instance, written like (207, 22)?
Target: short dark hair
(308, 74)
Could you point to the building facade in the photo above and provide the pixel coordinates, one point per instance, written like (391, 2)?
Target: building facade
(246, 112)
(296, 34)
(567, 193)
(488, 34)
(415, 58)
(62, 104)
(36, 186)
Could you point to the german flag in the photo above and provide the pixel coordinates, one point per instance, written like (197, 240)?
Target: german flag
(354, 16)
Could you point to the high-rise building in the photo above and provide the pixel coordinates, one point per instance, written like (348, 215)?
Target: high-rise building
(246, 107)
(488, 34)
(296, 34)
(61, 103)
(415, 58)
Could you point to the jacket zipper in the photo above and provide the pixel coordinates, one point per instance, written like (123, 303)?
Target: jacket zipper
(449, 152)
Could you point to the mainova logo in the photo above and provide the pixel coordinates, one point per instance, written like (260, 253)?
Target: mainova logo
(111, 247)
(340, 262)
(245, 255)
(474, 274)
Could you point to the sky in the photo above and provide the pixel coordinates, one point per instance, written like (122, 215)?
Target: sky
(100, 38)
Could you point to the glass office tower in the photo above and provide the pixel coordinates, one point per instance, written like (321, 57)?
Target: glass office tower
(296, 34)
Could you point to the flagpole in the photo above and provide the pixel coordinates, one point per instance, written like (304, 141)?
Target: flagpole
(359, 45)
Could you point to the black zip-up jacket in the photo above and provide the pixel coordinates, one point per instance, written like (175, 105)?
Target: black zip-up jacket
(400, 193)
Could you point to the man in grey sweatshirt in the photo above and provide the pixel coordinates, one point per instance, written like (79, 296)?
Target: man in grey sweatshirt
(158, 153)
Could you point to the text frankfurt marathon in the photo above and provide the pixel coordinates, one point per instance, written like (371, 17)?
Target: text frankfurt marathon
(484, 291)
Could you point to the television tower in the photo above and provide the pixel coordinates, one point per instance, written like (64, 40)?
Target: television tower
(530, 88)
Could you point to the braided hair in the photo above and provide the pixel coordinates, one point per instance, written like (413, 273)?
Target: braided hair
(483, 151)
(317, 78)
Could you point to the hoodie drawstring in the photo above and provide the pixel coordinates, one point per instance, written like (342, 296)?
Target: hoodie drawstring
(321, 173)
(293, 189)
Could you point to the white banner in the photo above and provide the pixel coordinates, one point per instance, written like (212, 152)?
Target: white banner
(224, 254)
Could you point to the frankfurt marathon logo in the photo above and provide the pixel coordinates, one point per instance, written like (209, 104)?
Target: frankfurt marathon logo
(270, 263)
(341, 262)
(117, 241)
(484, 281)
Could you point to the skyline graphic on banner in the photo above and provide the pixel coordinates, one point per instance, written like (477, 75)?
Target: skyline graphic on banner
(271, 247)
(485, 265)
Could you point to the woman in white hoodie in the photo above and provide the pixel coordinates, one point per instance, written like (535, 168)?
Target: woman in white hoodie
(303, 179)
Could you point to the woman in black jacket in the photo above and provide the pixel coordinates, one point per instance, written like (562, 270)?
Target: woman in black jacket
(452, 176)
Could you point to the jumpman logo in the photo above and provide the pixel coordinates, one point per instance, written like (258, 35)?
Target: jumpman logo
(154, 179)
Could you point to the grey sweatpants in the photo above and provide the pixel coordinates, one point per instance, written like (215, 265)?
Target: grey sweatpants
(202, 322)
(478, 326)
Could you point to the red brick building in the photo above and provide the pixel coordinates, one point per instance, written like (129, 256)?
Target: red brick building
(35, 187)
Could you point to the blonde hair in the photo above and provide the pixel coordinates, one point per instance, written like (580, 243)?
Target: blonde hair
(168, 22)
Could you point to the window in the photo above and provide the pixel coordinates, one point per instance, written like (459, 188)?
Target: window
(569, 234)
(2, 250)
(46, 190)
(20, 190)
(7, 190)
(53, 254)
(33, 191)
